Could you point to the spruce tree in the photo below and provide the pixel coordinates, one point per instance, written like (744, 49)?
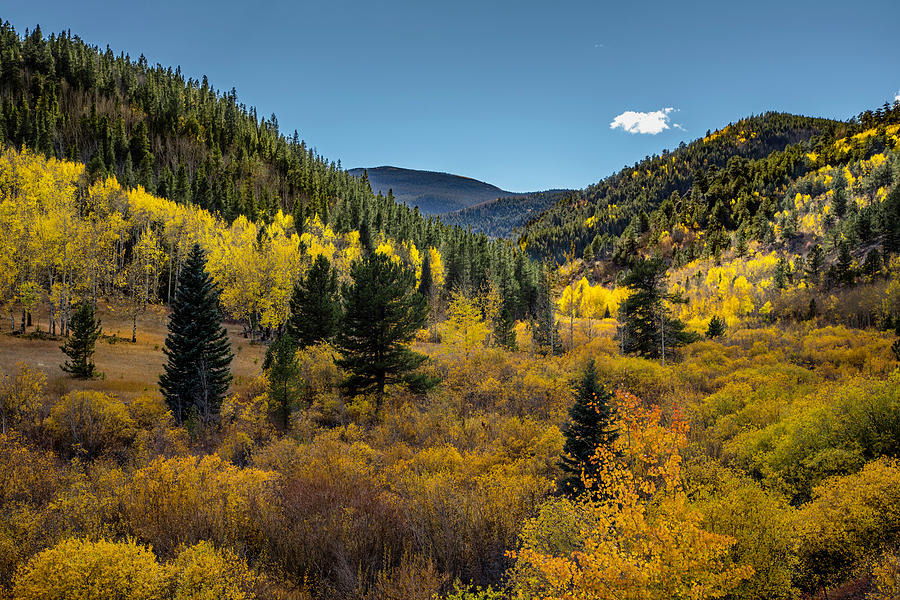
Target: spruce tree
(648, 329)
(891, 220)
(716, 328)
(383, 311)
(283, 379)
(85, 330)
(544, 328)
(505, 330)
(196, 376)
(839, 200)
(873, 263)
(845, 264)
(814, 261)
(426, 282)
(591, 425)
(895, 347)
(781, 273)
(315, 308)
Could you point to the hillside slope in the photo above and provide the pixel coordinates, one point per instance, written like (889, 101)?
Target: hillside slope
(504, 216)
(601, 213)
(431, 191)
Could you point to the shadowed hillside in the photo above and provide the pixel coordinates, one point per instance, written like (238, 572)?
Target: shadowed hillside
(432, 192)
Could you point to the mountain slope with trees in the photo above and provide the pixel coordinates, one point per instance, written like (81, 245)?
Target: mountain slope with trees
(601, 213)
(503, 217)
(181, 140)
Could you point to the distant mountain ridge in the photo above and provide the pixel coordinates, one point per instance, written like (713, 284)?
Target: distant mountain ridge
(432, 191)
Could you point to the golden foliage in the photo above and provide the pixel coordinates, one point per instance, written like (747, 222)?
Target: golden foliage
(79, 569)
(643, 539)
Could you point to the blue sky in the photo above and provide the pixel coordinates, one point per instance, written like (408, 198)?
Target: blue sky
(520, 94)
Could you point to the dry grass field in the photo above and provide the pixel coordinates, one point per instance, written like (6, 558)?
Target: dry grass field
(128, 369)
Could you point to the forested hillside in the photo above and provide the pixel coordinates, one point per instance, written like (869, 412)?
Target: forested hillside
(503, 217)
(772, 145)
(181, 140)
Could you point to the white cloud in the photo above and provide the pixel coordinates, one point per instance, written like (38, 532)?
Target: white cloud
(897, 97)
(645, 122)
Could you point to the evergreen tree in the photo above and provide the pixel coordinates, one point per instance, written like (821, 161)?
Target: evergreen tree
(891, 220)
(283, 376)
(716, 327)
(544, 328)
(182, 190)
(781, 273)
(365, 236)
(299, 214)
(85, 330)
(426, 282)
(505, 330)
(196, 376)
(315, 309)
(873, 263)
(839, 200)
(845, 264)
(383, 311)
(648, 329)
(591, 425)
(814, 262)
(588, 253)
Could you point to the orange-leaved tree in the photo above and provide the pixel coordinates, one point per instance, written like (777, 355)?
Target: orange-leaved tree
(638, 538)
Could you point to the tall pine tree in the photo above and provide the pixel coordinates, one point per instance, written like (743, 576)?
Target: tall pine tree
(591, 424)
(80, 345)
(426, 282)
(383, 311)
(196, 376)
(283, 376)
(315, 308)
(648, 329)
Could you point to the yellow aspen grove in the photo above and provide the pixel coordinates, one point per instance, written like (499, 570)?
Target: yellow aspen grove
(59, 249)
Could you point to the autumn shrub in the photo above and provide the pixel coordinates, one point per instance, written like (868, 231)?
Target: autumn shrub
(465, 521)
(160, 439)
(747, 399)
(89, 505)
(203, 572)
(90, 423)
(328, 520)
(22, 398)
(832, 431)
(320, 375)
(851, 520)
(147, 409)
(29, 479)
(886, 577)
(414, 578)
(497, 380)
(839, 352)
(473, 592)
(183, 500)
(761, 522)
(80, 569)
